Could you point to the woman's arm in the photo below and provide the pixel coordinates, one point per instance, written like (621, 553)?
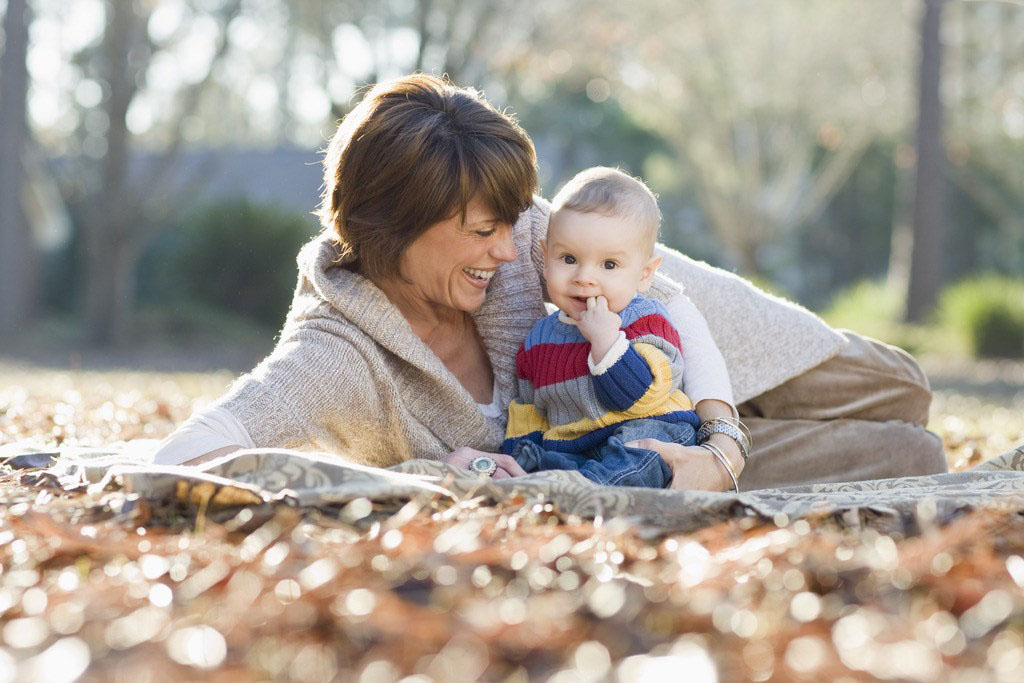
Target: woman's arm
(696, 468)
(206, 435)
(274, 405)
(704, 372)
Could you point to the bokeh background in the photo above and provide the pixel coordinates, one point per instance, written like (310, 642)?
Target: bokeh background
(159, 167)
(159, 159)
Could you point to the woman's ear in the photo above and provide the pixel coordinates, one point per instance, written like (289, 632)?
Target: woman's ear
(544, 247)
(648, 273)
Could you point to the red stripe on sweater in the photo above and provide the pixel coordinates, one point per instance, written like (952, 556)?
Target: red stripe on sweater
(657, 325)
(545, 364)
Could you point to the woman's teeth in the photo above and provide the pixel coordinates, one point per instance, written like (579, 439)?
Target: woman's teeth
(480, 274)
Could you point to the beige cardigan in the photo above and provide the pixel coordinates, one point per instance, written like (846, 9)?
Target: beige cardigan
(350, 376)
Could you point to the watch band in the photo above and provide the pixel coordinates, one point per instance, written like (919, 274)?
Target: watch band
(720, 426)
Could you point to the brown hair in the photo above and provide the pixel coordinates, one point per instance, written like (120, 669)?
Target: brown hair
(413, 153)
(611, 192)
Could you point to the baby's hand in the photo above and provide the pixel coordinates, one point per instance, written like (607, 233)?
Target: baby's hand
(599, 326)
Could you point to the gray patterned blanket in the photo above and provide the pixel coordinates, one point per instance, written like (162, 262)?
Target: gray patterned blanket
(270, 476)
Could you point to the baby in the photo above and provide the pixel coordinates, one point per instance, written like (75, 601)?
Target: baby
(606, 368)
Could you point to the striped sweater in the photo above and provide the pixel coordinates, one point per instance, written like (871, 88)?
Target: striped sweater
(567, 403)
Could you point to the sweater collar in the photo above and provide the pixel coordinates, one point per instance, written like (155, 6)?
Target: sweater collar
(513, 303)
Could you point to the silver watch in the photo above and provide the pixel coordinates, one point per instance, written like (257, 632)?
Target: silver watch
(717, 426)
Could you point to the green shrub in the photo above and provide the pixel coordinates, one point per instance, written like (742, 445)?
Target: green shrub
(863, 306)
(871, 308)
(988, 313)
(874, 309)
(198, 324)
(234, 256)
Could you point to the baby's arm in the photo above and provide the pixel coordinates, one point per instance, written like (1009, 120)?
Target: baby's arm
(643, 366)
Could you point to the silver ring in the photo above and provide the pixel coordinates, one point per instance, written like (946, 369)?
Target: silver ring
(484, 464)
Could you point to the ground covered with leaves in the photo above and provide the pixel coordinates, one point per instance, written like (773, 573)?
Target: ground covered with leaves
(98, 585)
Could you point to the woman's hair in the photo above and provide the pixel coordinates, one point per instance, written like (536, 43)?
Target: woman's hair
(611, 192)
(413, 153)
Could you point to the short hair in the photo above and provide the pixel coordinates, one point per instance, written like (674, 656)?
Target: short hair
(611, 192)
(414, 152)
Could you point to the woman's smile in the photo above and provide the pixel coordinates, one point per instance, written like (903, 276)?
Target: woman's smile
(479, 278)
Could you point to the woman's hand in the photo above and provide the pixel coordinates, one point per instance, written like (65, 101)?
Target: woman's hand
(693, 467)
(507, 466)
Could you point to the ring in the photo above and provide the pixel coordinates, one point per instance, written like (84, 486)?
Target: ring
(484, 464)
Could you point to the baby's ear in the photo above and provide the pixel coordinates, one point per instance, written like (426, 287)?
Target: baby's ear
(648, 273)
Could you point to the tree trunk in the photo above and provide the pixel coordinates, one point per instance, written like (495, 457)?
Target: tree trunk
(115, 232)
(17, 250)
(106, 230)
(926, 261)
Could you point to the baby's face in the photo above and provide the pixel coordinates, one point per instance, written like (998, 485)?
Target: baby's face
(589, 254)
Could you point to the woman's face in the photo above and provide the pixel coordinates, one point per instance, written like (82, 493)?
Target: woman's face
(451, 264)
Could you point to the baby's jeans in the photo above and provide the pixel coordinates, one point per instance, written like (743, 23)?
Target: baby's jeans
(613, 463)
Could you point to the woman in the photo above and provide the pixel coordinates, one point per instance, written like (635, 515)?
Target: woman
(401, 338)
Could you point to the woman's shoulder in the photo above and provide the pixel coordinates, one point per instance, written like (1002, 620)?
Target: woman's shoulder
(320, 340)
(535, 217)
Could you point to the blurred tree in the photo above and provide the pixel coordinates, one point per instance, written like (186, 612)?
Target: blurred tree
(767, 118)
(928, 241)
(17, 251)
(749, 117)
(114, 225)
(572, 131)
(985, 132)
(322, 53)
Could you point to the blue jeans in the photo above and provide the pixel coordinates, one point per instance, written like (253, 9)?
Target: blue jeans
(613, 463)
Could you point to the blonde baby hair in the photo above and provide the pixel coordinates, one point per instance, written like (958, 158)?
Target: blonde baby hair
(611, 192)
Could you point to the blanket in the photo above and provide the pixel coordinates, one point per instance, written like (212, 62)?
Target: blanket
(327, 483)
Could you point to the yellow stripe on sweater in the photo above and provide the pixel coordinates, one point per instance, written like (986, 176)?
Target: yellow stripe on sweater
(676, 401)
(661, 385)
(524, 419)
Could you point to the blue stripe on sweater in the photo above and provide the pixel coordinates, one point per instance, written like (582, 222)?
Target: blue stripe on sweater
(551, 330)
(624, 383)
(508, 446)
(641, 307)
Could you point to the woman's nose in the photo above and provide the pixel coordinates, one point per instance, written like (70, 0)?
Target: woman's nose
(504, 249)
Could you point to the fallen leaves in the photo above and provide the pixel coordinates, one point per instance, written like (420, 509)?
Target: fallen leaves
(99, 585)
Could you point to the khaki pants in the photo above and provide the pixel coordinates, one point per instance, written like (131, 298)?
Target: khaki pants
(860, 415)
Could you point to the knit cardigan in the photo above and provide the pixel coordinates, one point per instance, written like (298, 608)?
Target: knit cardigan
(349, 375)
(570, 403)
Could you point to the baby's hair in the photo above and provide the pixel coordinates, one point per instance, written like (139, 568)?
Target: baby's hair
(610, 192)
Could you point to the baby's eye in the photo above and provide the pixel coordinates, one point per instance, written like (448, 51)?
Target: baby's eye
(610, 265)
(569, 259)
